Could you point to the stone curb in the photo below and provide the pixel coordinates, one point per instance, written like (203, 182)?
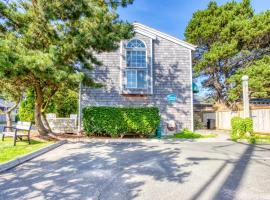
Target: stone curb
(201, 140)
(164, 141)
(27, 157)
(114, 140)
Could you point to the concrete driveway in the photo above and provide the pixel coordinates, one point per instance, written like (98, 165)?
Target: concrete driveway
(154, 170)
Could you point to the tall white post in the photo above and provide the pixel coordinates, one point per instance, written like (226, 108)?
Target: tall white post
(245, 96)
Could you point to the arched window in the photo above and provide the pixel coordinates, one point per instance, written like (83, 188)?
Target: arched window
(136, 64)
(135, 43)
(136, 54)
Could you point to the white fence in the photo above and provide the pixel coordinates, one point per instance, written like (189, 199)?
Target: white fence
(62, 125)
(261, 119)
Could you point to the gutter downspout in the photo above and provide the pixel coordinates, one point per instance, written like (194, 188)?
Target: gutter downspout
(191, 93)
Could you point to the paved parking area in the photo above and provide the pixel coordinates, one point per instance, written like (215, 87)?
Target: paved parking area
(140, 170)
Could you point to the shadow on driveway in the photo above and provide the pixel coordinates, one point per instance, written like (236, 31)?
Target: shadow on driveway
(119, 171)
(93, 171)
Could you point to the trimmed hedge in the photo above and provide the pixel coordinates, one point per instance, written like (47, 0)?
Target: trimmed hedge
(116, 121)
(241, 127)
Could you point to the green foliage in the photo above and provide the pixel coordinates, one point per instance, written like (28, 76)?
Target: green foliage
(241, 127)
(9, 152)
(256, 138)
(187, 134)
(51, 39)
(26, 110)
(238, 128)
(11, 90)
(259, 80)
(249, 125)
(116, 121)
(65, 102)
(50, 44)
(228, 38)
(198, 124)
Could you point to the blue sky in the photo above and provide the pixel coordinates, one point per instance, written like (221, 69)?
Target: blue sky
(172, 16)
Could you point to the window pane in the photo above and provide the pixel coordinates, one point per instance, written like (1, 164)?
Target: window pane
(131, 78)
(136, 59)
(141, 78)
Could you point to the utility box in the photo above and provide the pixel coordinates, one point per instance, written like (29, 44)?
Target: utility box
(158, 132)
(211, 123)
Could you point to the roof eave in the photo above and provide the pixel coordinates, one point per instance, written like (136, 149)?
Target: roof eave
(145, 30)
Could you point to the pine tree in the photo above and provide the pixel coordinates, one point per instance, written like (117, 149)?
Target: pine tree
(228, 38)
(259, 80)
(49, 44)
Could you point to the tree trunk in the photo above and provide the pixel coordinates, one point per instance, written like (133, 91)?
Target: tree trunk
(8, 114)
(8, 120)
(45, 121)
(38, 114)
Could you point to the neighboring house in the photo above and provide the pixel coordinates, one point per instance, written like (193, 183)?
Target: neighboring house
(204, 112)
(151, 69)
(4, 106)
(260, 103)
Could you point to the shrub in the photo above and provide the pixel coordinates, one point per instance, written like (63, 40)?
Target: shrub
(241, 127)
(26, 110)
(65, 103)
(198, 124)
(116, 121)
(249, 126)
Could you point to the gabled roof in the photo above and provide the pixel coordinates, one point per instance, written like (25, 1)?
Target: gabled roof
(5, 104)
(260, 101)
(153, 33)
(200, 100)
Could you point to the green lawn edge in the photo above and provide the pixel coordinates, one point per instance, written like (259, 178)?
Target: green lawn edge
(186, 134)
(8, 152)
(257, 139)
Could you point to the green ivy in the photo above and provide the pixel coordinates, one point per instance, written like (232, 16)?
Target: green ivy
(116, 121)
(241, 127)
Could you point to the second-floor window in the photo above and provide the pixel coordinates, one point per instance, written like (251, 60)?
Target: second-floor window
(136, 69)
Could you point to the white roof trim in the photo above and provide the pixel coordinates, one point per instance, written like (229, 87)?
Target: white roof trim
(153, 33)
(154, 37)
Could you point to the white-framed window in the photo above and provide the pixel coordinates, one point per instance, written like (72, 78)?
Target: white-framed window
(136, 78)
(136, 69)
(136, 59)
(131, 78)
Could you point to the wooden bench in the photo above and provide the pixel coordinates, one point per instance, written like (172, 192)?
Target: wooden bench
(22, 129)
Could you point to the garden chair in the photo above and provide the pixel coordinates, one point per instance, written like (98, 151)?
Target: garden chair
(22, 129)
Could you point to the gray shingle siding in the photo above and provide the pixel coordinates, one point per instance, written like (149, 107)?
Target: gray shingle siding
(171, 74)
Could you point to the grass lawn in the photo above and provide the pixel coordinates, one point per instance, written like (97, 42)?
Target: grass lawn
(259, 139)
(10, 152)
(262, 137)
(186, 134)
